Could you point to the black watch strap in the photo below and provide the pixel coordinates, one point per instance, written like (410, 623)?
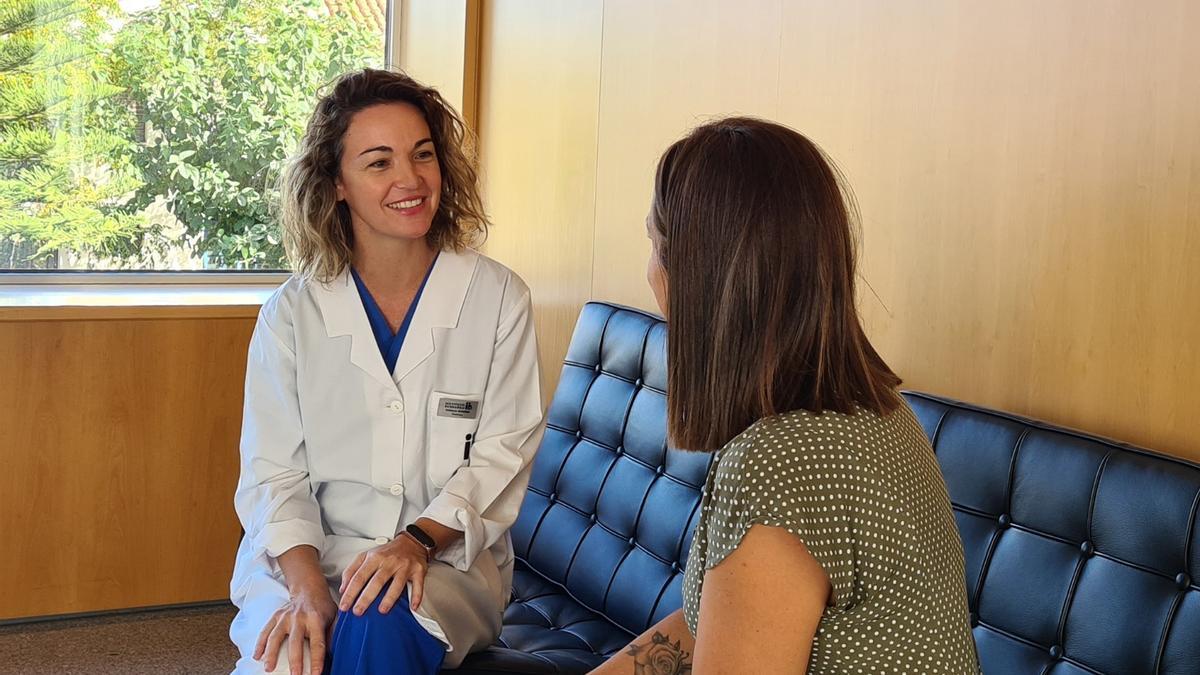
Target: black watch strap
(421, 537)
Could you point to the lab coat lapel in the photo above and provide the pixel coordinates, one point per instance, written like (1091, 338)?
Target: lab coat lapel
(440, 305)
(343, 313)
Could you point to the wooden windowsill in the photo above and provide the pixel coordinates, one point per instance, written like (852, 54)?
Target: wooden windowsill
(98, 302)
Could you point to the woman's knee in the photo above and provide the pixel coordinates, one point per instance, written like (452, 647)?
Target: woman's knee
(378, 642)
(373, 625)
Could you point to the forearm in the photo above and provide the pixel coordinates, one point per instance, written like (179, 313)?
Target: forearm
(301, 569)
(442, 535)
(664, 649)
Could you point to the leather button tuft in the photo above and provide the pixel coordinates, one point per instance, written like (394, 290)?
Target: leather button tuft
(597, 368)
(1183, 580)
(1004, 520)
(553, 496)
(638, 382)
(578, 433)
(1056, 652)
(1087, 549)
(632, 542)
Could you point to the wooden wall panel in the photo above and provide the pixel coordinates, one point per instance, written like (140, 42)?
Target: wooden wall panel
(1028, 175)
(432, 46)
(120, 458)
(668, 66)
(539, 95)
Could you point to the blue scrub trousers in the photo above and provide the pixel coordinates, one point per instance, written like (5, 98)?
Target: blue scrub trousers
(383, 644)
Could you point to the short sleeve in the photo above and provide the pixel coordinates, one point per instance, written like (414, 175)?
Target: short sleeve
(772, 478)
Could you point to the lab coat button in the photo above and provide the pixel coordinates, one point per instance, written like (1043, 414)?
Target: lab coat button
(396, 489)
(396, 407)
(381, 540)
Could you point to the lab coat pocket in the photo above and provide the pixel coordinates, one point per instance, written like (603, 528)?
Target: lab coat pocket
(453, 421)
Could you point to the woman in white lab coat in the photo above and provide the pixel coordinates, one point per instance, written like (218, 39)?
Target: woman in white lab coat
(392, 404)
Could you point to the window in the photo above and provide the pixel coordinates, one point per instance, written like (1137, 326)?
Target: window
(148, 134)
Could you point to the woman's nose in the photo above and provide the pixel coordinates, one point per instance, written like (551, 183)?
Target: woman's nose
(405, 175)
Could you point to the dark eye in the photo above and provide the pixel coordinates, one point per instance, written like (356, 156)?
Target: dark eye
(425, 154)
(378, 164)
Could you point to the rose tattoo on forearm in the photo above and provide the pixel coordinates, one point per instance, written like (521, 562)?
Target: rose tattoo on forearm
(660, 657)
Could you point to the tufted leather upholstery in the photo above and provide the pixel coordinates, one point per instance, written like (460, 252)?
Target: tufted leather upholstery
(603, 534)
(1082, 555)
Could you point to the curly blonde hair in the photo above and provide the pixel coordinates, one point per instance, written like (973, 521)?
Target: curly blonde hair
(316, 226)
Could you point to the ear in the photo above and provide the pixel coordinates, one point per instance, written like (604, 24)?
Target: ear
(341, 189)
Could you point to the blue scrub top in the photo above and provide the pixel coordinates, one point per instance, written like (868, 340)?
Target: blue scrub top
(389, 344)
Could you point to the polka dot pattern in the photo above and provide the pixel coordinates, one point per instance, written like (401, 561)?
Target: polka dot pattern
(866, 496)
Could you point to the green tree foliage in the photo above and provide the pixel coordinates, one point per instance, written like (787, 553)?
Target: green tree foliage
(223, 89)
(64, 168)
(124, 136)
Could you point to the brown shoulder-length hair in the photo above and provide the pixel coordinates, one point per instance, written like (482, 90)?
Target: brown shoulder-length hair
(316, 226)
(754, 233)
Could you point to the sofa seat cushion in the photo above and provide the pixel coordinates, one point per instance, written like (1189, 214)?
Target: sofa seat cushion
(546, 631)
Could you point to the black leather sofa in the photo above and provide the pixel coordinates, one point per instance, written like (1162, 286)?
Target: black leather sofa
(1082, 555)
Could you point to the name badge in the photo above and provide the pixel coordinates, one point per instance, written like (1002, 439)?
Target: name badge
(458, 408)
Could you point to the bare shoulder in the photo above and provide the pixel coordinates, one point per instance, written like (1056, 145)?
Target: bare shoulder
(769, 586)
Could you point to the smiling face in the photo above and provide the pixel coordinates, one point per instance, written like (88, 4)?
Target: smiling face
(389, 175)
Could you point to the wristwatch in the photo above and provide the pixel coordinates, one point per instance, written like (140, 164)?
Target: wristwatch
(422, 537)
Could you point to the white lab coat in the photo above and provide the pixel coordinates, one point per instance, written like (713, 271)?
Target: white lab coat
(340, 455)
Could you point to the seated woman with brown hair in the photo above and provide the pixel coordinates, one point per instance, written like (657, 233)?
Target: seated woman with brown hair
(826, 541)
(392, 403)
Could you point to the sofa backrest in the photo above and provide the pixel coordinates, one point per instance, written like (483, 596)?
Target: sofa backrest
(1083, 555)
(610, 509)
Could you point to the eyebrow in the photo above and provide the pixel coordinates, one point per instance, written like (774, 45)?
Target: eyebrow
(388, 148)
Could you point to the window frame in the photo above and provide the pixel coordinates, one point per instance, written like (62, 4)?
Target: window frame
(139, 278)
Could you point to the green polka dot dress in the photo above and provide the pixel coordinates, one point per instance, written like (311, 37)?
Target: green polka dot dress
(865, 495)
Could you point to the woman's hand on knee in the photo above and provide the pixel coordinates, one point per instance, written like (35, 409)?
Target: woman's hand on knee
(308, 615)
(400, 561)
